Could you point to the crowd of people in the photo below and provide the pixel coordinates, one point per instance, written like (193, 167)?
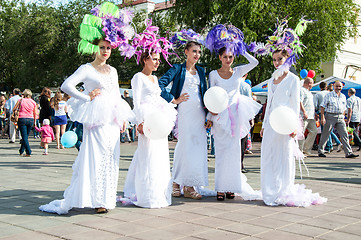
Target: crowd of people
(105, 116)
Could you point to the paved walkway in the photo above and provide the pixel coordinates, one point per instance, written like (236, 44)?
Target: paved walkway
(26, 183)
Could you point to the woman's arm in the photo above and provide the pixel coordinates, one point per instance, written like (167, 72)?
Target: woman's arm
(137, 85)
(253, 62)
(69, 84)
(167, 78)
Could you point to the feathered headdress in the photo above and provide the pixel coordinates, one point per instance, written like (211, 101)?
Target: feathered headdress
(283, 38)
(106, 21)
(150, 41)
(227, 36)
(182, 37)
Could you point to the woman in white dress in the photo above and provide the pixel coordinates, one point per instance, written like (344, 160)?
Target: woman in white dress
(278, 151)
(148, 183)
(102, 111)
(230, 126)
(190, 166)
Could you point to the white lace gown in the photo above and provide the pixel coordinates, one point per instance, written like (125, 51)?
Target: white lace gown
(95, 170)
(148, 183)
(190, 166)
(278, 152)
(229, 127)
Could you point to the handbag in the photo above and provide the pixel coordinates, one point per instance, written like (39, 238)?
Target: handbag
(15, 115)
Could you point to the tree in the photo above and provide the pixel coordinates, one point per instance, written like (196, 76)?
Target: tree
(256, 17)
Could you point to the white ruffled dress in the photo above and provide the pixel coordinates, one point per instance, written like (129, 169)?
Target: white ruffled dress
(148, 183)
(278, 152)
(229, 127)
(96, 168)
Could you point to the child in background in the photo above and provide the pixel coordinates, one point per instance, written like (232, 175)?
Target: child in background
(47, 135)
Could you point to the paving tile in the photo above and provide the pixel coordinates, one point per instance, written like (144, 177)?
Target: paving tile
(352, 229)
(126, 229)
(236, 216)
(213, 222)
(186, 228)
(41, 224)
(206, 211)
(129, 216)
(217, 234)
(268, 222)
(100, 222)
(157, 222)
(183, 216)
(7, 230)
(158, 234)
(64, 230)
(93, 234)
(31, 236)
(304, 230)
(350, 213)
(288, 217)
(336, 235)
(245, 229)
(280, 235)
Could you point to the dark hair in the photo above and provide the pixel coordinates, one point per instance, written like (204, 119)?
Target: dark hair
(144, 56)
(221, 51)
(46, 92)
(16, 91)
(190, 44)
(323, 85)
(284, 52)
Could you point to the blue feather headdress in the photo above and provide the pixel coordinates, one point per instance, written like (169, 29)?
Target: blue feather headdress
(283, 38)
(182, 37)
(227, 36)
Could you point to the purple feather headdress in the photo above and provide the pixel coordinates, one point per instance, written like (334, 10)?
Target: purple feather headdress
(283, 38)
(150, 41)
(185, 35)
(226, 36)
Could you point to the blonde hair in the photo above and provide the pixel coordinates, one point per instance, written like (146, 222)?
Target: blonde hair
(27, 93)
(57, 98)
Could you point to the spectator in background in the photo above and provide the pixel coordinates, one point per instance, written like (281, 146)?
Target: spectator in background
(60, 119)
(2, 115)
(44, 100)
(307, 112)
(10, 104)
(128, 128)
(27, 115)
(333, 109)
(246, 145)
(353, 105)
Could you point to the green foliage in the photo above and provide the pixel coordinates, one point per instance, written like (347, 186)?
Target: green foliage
(39, 41)
(256, 18)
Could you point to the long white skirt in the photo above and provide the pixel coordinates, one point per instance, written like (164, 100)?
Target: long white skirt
(227, 142)
(278, 173)
(95, 172)
(148, 181)
(190, 164)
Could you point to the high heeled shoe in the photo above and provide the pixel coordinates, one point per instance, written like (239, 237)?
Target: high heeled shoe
(220, 196)
(189, 192)
(176, 190)
(230, 195)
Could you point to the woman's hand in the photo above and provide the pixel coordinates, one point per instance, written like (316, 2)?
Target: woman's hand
(323, 120)
(94, 93)
(214, 114)
(261, 132)
(182, 98)
(209, 124)
(293, 135)
(140, 128)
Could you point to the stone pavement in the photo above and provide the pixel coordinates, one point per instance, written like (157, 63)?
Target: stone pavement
(26, 183)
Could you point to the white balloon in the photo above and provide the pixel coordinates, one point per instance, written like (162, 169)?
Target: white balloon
(216, 99)
(283, 120)
(157, 125)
